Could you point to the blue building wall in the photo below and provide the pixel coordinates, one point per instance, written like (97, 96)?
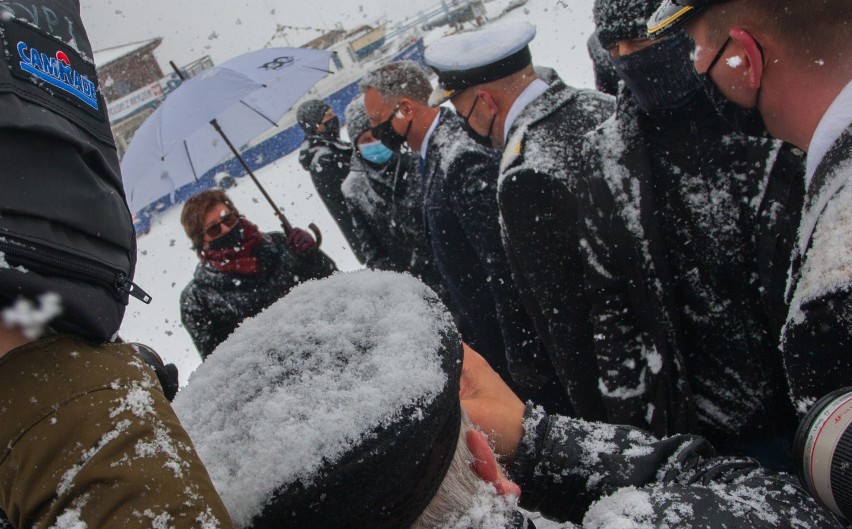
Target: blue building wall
(266, 152)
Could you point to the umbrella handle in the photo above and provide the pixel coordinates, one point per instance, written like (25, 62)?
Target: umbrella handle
(317, 234)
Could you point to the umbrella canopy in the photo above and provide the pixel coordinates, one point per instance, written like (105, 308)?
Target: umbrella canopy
(246, 96)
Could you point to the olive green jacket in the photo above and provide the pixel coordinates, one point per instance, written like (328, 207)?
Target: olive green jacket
(87, 435)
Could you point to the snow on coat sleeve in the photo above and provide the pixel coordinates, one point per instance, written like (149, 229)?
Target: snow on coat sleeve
(817, 336)
(368, 248)
(90, 441)
(623, 351)
(196, 320)
(474, 199)
(617, 476)
(306, 156)
(538, 214)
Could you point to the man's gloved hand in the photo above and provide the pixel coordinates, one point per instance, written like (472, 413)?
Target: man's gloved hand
(167, 374)
(301, 240)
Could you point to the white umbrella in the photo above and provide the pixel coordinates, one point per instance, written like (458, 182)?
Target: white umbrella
(241, 98)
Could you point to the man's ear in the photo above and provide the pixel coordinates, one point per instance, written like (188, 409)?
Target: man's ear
(406, 109)
(753, 53)
(488, 99)
(485, 464)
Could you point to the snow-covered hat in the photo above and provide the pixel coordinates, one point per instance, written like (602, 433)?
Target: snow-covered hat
(310, 114)
(671, 14)
(337, 406)
(622, 19)
(477, 57)
(357, 122)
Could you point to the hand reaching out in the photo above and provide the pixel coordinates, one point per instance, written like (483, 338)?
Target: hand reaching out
(491, 405)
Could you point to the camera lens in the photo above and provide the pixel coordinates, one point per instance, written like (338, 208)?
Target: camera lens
(823, 451)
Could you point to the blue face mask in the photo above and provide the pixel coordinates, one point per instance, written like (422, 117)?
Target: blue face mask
(375, 152)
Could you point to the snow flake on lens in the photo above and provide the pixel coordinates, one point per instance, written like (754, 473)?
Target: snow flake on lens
(32, 316)
(58, 72)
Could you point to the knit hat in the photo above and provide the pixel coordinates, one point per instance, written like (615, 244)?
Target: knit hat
(622, 19)
(357, 122)
(337, 406)
(310, 114)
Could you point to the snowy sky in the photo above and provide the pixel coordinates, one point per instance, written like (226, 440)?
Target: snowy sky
(193, 28)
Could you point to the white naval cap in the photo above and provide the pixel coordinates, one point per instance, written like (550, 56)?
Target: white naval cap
(477, 57)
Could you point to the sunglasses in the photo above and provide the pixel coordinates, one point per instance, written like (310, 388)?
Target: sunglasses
(214, 230)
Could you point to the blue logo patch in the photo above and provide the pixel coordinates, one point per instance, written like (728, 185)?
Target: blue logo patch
(57, 71)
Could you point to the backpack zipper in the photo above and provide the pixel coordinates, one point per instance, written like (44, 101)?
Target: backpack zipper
(63, 263)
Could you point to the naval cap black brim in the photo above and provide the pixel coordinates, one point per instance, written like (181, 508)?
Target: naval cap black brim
(452, 82)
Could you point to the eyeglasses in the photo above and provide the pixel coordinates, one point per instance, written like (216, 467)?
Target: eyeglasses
(214, 230)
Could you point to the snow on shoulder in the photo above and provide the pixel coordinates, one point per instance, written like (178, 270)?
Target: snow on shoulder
(315, 377)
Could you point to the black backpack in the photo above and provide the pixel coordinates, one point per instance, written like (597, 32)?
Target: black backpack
(65, 227)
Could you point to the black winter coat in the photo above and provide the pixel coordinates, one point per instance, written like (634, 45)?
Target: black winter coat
(687, 230)
(214, 303)
(564, 465)
(817, 339)
(460, 194)
(327, 160)
(538, 211)
(386, 206)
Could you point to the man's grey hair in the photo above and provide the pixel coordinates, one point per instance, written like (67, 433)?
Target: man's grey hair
(461, 491)
(399, 79)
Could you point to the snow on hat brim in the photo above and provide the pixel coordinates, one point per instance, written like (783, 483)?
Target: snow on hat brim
(335, 407)
(476, 57)
(672, 14)
(622, 19)
(357, 122)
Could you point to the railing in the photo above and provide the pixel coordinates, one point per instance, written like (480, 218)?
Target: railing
(442, 12)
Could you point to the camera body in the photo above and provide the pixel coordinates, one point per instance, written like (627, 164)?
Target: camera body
(823, 451)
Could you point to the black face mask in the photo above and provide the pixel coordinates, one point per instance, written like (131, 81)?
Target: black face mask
(661, 76)
(231, 240)
(484, 140)
(385, 133)
(746, 121)
(332, 128)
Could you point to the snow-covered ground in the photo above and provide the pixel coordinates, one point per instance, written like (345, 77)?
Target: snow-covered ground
(166, 262)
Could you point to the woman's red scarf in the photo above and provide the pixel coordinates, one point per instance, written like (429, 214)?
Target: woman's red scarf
(236, 260)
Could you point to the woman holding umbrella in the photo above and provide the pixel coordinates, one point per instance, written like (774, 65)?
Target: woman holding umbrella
(242, 270)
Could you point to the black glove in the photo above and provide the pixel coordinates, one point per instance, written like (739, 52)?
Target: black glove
(167, 374)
